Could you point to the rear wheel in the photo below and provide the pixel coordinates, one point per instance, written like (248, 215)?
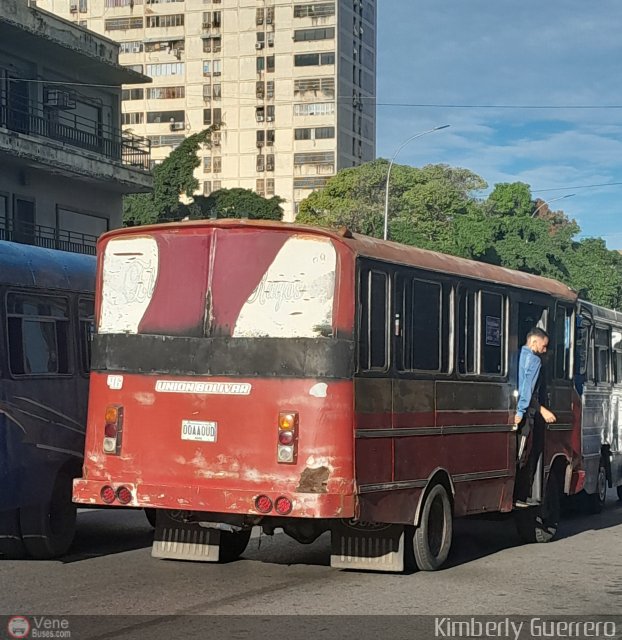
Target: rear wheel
(11, 543)
(233, 545)
(539, 524)
(596, 501)
(48, 529)
(432, 538)
(619, 491)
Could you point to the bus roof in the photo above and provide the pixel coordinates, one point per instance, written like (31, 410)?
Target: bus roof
(602, 313)
(368, 247)
(25, 265)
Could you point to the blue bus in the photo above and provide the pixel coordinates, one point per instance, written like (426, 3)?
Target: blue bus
(46, 314)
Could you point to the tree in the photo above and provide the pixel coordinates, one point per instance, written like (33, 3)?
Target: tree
(171, 180)
(235, 203)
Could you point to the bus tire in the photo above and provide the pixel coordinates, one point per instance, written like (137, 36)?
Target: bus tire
(48, 529)
(619, 491)
(432, 538)
(151, 516)
(539, 524)
(596, 500)
(11, 543)
(232, 545)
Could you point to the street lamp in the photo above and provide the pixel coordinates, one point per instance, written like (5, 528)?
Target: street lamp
(386, 197)
(568, 195)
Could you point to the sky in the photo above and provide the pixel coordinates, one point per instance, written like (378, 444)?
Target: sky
(489, 54)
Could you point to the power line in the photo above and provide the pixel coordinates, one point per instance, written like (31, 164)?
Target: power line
(583, 186)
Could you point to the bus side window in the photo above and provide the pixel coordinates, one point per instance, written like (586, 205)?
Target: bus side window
(492, 328)
(601, 354)
(374, 334)
(87, 329)
(38, 328)
(562, 342)
(466, 332)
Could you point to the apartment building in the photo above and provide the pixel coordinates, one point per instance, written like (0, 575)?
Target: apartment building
(292, 83)
(64, 161)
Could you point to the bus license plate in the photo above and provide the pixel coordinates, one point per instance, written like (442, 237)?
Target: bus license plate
(199, 431)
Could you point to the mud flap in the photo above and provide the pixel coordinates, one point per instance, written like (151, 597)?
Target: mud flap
(178, 540)
(367, 546)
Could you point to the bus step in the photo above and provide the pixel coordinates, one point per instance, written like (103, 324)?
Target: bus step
(184, 541)
(367, 546)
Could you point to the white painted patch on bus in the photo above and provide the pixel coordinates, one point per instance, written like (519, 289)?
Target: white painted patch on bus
(130, 271)
(294, 298)
(318, 390)
(209, 388)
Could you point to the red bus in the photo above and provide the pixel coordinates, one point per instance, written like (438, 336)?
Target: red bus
(265, 374)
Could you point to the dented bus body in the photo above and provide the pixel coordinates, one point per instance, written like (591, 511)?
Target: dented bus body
(255, 373)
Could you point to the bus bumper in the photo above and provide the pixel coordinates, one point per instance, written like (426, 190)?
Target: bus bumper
(238, 501)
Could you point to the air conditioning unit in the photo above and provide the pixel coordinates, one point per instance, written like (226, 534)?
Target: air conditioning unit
(259, 144)
(269, 142)
(216, 143)
(58, 99)
(73, 8)
(177, 126)
(259, 45)
(206, 25)
(270, 119)
(216, 73)
(135, 49)
(259, 118)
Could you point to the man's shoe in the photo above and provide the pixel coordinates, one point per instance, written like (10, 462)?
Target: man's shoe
(524, 504)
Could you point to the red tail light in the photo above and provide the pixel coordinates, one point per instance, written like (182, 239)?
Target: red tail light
(283, 505)
(113, 423)
(287, 448)
(107, 494)
(124, 495)
(263, 504)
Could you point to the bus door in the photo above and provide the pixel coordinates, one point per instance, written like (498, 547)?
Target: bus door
(559, 392)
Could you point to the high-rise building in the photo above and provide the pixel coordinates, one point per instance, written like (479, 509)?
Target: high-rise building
(292, 83)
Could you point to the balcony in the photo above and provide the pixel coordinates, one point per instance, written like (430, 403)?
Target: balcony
(69, 128)
(47, 237)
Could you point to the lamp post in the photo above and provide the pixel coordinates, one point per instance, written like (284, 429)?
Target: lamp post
(568, 195)
(386, 196)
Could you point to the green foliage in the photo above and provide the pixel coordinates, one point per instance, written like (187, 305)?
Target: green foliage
(434, 207)
(171, 179)
(234, 203)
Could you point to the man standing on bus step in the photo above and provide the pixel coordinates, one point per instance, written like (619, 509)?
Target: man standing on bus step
(527, 488)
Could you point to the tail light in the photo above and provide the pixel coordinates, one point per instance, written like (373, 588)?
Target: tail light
(107, 494)
(287, 447)
(113, 424)
(263, 504)
(124, 495)
(283, 505)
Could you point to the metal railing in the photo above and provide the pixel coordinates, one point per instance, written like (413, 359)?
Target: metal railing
(31, 118)
(47, 237)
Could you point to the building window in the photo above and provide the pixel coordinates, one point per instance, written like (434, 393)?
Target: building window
(259, 15)
(270, 134)
(134, 67)
(109, 4)
(318, 10)
(261, 138)
(261, 163)
(166, 140)
(132, 94)
(315, 85)
(260, 114)
(269, 186)
(260, 187)
(260, 64)
(166, 46)
(216, 92)
(165, 69)
(207, 187)
(207, 116)
(135, 46)
(270, 162)
(324, 133)
(307, 35)
(270, 64)
(38, 328)
(122, 24)
(270, 113)
(133, 118)
(165, 93)
(216, 185)
(217, 164)
(154, 117)
(314, 109)
(314, 59)
(270, 89)
(174, 20)
(207, 164)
